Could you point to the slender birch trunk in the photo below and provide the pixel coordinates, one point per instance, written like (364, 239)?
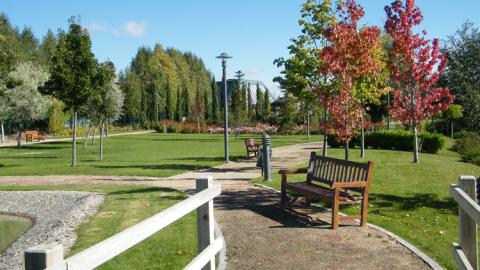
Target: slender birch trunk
(346, 150)
(86, 137)
(416, 158)
(3, 133)
(325, 135)
(362, 150)
(74, 140)
(93, 134)
(19, 139)
(101, 139)
(106, 128)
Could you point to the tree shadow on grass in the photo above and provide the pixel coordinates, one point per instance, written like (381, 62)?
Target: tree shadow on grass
(175, 167)
(414, 201)
(174, 194)
(34, 157)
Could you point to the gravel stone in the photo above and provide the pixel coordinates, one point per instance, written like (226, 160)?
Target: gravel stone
(55, 215)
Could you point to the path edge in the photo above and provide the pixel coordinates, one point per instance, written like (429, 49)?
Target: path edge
(424, 257)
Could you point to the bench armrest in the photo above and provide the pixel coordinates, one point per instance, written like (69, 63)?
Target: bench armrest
(298, 171)
(349, 184)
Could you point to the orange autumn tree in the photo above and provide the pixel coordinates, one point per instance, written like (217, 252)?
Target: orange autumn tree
(416, 65)
(354, 60)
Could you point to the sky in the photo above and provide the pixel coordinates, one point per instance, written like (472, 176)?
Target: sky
(253, 32)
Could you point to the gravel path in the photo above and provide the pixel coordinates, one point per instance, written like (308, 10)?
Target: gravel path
(56, 215)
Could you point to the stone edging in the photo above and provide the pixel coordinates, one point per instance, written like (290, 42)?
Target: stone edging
(424, 257)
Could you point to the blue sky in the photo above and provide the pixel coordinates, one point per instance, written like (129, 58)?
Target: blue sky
(254, 32)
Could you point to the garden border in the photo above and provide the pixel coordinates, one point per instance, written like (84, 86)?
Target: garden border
(424, 257)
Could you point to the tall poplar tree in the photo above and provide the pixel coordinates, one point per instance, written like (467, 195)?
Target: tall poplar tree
(215, 105)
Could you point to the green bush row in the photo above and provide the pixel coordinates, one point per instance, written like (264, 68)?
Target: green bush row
(395, 140)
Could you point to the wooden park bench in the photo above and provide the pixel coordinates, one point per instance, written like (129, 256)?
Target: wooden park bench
(31, 135)
(332, 180)
(252, 147)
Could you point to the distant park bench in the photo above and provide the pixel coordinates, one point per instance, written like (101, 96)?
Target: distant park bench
(32, 135)
(252, 147)
(332, 180)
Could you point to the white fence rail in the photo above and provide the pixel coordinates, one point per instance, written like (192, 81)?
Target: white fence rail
(51, 257)
(464, 193)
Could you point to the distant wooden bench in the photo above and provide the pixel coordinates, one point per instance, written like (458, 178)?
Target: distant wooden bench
(31, 135)
(332, 180)
(252, 147)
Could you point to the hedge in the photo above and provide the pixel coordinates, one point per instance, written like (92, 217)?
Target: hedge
(395, 140)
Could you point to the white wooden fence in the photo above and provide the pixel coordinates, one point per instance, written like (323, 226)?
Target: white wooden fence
(466, 253)
(50, 257)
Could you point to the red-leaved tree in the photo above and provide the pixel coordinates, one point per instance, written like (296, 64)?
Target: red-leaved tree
(351, 59)
(415, 64)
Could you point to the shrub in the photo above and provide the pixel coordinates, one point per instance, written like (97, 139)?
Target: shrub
(395, 140)
(468, 146)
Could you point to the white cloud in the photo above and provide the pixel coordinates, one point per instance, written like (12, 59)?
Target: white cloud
(131, 29)
(97, 27)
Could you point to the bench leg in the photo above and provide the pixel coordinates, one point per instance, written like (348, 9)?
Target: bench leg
(335, 209)
(283, 194)
(308, 201)
(363, 221)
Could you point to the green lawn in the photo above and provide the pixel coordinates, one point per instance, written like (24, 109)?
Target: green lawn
(143, 155)
(413, 200)
(171, 248)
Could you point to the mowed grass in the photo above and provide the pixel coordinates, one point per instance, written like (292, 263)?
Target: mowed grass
(171, 248)
(152, 154)
(412, 200)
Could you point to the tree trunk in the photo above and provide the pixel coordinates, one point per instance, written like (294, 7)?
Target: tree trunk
(3, 133)
(74, 140)
(308, 125)
(86, 136)
(106, 128)
(93, 134)
(198, 124)
(325, 135)
(362, 149)
(451, 130)
(102, 125)
(346, 150)
(415, 144)
(19, 139)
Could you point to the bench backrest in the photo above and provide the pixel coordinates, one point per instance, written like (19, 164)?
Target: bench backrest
(33, 133)
(332, 170)
(250, 143)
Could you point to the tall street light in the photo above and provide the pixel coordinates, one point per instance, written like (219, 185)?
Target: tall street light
(224, 56)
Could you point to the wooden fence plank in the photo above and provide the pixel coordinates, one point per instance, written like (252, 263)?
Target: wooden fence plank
(205, 222)
(466, 203)
(205, 256)
(468, 225)
(460, 258)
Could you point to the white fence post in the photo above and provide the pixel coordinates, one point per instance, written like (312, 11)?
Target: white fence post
(205, 221)
(43, 256)
(468, 226)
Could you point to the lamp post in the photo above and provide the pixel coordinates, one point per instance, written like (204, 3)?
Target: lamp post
(224, 56)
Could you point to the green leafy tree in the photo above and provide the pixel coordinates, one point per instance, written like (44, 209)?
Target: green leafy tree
(462, 73)
(267, 105)
(25, 103)
(301, 72)
(47, 48)
(57, 117)
(215, 105)
(132, 92)
(453, 113)
(72, 72)
(259, 104)
(179, 113)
